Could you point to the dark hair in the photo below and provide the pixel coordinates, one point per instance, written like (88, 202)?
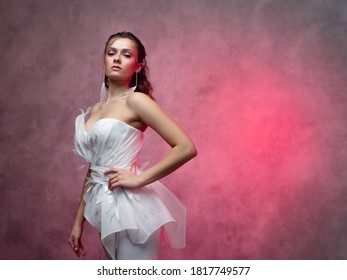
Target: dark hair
(143, 84)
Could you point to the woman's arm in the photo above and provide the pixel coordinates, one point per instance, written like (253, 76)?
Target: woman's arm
(182, 150)
(77, 228)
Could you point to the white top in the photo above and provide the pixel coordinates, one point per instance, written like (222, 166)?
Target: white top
(113, 143)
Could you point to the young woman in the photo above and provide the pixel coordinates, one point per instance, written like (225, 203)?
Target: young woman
(128, 206)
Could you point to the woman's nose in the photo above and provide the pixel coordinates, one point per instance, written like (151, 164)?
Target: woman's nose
(116, 58)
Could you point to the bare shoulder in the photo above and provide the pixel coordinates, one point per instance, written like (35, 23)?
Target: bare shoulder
(146, 109)
(139, 101)
(138, 97)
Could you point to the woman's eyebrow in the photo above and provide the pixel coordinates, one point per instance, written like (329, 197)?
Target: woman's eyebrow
(115, 49)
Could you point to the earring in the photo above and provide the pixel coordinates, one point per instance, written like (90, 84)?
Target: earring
(103, 91)
(136, 80)
(134, 87)
(103, 94)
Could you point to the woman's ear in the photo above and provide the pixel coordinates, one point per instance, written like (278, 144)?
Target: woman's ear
(139, 67)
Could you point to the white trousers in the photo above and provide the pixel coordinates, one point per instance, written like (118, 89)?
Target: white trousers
(128, 251)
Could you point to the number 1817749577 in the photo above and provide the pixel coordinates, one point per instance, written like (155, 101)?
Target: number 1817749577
(215, 270)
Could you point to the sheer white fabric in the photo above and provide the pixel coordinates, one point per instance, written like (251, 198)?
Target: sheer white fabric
(113, 143)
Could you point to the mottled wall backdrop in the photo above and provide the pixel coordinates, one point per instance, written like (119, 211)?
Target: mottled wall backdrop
(260, 85)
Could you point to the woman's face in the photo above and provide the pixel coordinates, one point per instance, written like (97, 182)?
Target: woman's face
(121, 60)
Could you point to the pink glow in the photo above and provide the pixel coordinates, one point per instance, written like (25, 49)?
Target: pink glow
(258, 85)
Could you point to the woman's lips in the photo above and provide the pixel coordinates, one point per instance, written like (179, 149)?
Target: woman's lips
(116, 68)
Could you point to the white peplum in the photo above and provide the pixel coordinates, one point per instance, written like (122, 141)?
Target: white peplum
(140, 212)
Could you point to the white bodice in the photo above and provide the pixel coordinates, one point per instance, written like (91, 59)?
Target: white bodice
(140, 212)
(109, 143)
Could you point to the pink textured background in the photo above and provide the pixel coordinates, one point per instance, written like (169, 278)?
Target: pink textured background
(260, 85)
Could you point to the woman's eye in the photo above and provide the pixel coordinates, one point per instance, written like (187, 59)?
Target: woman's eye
(110, 53)
(127, 55)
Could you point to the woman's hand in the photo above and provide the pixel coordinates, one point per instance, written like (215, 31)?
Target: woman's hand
(75, 240)
(122, 178)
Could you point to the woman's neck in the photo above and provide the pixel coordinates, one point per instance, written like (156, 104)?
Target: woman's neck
(117, 89)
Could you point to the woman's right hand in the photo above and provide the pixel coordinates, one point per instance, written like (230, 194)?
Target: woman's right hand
(75, 240)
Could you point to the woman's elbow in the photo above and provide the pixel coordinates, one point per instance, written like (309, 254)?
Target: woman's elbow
(191, 151)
